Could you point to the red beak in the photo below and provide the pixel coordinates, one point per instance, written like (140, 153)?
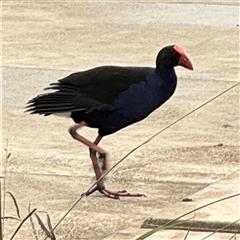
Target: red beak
(185, 62)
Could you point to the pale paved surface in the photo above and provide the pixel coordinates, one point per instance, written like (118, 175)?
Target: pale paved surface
(227, 210)
(133, 233)
(50, 170)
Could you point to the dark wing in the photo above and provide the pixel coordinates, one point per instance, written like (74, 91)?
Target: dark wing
(94, 89)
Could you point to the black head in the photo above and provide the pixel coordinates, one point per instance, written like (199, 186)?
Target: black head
(172, 56)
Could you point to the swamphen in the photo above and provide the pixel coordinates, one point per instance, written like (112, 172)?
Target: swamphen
(110, 98)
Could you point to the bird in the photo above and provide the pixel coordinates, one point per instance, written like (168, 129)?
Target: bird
(111, 98)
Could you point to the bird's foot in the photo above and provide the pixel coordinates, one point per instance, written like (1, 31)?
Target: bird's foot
(114, 194)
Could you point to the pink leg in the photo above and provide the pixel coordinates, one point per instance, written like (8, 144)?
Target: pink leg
(104, 162)
(93, 148)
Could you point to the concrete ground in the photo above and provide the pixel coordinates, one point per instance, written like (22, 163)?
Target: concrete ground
(44, 41)
(224, 212)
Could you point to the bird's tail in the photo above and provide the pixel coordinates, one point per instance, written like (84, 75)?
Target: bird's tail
(51, 103)
(66, 98)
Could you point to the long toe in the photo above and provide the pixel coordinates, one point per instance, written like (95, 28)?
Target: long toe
(113, 194)
(105, 192)
(123, 193)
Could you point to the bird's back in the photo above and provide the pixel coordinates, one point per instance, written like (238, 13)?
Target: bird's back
(104, 83)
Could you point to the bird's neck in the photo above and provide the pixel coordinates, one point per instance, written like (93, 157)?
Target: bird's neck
(167, 74)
